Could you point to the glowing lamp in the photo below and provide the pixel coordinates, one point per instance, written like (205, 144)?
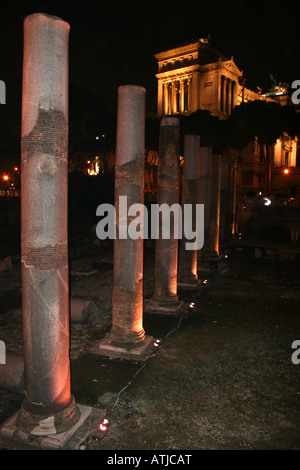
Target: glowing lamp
(286, 171)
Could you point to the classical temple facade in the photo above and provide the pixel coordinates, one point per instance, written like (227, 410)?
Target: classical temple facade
(196, 76)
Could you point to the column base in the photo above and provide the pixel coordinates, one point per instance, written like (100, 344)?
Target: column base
(108, 347)
(46, 424)
(10, 430)
(188, 282)
(214, 256)
(164, 307)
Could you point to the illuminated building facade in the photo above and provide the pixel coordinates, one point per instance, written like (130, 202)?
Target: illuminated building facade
(195, 76)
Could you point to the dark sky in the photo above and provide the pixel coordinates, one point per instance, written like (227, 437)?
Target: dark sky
(112, 43)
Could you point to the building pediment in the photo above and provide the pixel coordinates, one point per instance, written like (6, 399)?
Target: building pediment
(231, 66)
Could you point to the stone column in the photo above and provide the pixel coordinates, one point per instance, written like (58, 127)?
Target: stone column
(229, 97)
(224, 94)
(187, 274)
(160, 97)
(165, 299)
(166, 99)
(214, 208)
(189, 95)
(181, 91)
(174, 98)
(48, 406)
(233, 190)
(203, 198)
(225, 194)
(127, 338)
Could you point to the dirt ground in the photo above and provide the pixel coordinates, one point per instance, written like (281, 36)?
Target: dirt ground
(221, 378)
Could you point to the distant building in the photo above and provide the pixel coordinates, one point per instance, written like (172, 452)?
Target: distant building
(196, 76)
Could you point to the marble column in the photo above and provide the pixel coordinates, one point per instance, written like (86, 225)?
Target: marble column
(214, 208)
(181, 91)
(203, 198)
(233, 190)
(166, 99)
(187, 274)
(224, 95)
(165, 299)
(48, 406)
(174, 98)
(127, 338)
(229, 97)
(225, 197)
(160, 98)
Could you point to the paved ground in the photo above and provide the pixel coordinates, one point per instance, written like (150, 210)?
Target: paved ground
(221, 378)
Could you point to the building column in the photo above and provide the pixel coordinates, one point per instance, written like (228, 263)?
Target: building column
(233, 95)
(187, 274)
(165, 300)
(181, 91)
(174, 98)
(214, 208)
(160, 97)
(48, 406)
(224, 99)
(166, 98)
(203, 198)
(233, 198)
(127, 338)
(229, 96)
(189, 95)
(219, 95)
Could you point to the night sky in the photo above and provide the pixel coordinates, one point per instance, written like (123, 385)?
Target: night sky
(112, 43)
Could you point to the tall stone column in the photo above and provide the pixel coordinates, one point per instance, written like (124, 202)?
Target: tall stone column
(181, 92)
(229, 96)
(233, 199)
(187, 274)
(225, 197)
(203, 195)
(48, 407)
(127, 338)
(224, 94)
(165, 299)
(214, 208)
(174, 98)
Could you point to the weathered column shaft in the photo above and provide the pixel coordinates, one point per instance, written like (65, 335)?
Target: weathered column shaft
(44, 234)
(127, 315)
(225, 194)
(166, 249)
(203, 195)
(214, 207)
(191, 172)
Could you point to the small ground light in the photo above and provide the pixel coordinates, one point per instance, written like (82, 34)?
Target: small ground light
(205, 281)
(192, 305)
(156, 343)
(103, 426)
